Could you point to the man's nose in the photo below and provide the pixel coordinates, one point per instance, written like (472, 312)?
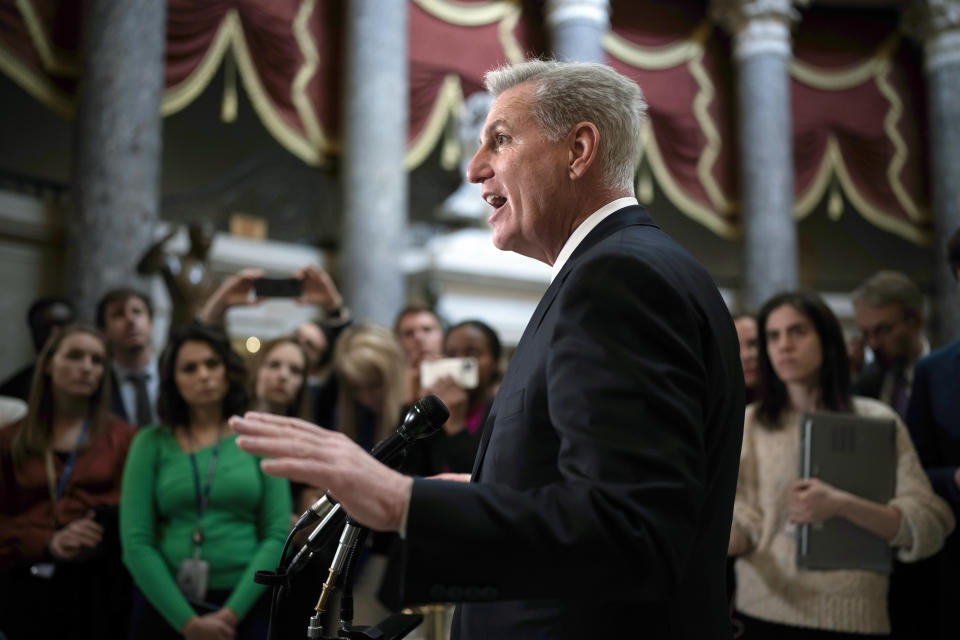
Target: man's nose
(479, 169)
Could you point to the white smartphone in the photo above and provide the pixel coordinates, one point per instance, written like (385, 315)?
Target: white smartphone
(462, 370)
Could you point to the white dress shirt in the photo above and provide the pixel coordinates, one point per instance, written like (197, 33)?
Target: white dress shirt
(586, 227)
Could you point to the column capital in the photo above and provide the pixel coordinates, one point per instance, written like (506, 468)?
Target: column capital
(758, 26)
(936, 24)
(595, 11)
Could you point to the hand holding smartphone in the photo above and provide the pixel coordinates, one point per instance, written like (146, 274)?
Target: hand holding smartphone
(278, 287)
(463, 371)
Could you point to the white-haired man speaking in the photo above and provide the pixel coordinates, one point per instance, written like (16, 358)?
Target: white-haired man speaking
(601, 497)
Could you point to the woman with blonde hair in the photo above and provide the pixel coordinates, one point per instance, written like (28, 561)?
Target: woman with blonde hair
(369, 365)
(60, 475)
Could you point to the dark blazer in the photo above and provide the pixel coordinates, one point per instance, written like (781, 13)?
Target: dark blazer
(934, 419)
(116, 400)
(603, 489)
(870, 381)
(923, 595)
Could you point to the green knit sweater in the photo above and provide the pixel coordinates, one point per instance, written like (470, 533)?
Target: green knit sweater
(244, 524)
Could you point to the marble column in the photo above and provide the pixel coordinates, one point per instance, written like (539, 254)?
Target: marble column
(374, 178)
(762, 49)
(117, 148)
(577, 28)
(936, 23)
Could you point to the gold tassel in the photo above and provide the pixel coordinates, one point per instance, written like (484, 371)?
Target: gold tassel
(835, 203)
(228, 107)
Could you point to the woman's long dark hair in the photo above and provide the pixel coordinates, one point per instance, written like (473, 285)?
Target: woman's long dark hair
(834, 371)
(35, 430)
(171, 406)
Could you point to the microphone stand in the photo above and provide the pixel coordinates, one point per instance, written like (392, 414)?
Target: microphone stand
(395, 627)
(424, 418)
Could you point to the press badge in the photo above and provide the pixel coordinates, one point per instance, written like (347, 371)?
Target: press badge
(192, 577)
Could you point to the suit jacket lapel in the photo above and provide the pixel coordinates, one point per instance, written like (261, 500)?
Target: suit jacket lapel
(627, 217)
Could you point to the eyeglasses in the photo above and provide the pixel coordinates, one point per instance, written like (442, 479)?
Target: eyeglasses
(881, 330)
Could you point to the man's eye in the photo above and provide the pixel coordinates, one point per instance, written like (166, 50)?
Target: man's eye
(500, 139)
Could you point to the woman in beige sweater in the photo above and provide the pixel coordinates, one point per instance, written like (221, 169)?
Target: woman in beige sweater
(803, 367)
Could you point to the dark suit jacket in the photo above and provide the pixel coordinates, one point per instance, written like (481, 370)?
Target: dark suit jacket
(603, 487)
(934, 419)
(116, 400)
(924, 595)
(870, 381)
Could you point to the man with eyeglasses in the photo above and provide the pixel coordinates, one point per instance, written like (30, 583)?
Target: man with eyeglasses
(888, 310)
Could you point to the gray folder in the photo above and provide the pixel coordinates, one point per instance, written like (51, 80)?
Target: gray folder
(857, 455)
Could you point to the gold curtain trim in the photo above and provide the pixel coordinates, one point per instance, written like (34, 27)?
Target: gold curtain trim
(691, 52)
(708, 158)
(511, 48)
(37, 85)
(290, 138)
(876, 216)
(187, 90)
(658, 58)
(468, 15)
(901, 152)
(449, 101)
(678, 197)
(53, 60)
(450, 97)
(311, 62)
(807, 201)
(846, 77)
(833, 162)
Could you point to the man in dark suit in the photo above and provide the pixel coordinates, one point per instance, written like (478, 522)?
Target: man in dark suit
(924, 596)
(126, 318)
(601, 498)
(888, 310)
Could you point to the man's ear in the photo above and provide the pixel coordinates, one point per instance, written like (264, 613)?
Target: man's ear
(584, 142)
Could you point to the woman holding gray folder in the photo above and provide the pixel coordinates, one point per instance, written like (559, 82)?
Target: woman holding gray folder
(804, 368)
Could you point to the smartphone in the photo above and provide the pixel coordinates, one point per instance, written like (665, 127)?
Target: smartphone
(278, 287)
(462, 370)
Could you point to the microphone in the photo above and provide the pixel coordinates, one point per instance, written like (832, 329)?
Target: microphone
(424, 418)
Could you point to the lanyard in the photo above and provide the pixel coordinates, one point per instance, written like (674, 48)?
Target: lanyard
(57, 493)
(203, 497)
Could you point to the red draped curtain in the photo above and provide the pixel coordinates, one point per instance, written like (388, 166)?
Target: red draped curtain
(857, 97)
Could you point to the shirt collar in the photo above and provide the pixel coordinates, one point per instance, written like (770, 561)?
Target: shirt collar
(585, 228)
(122, 372)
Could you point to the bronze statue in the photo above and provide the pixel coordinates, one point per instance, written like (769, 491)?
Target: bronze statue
(187, 277)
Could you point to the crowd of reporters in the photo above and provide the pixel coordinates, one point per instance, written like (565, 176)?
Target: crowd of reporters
(120, 483)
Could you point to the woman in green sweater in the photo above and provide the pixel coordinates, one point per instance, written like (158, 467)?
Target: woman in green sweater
(197, 516)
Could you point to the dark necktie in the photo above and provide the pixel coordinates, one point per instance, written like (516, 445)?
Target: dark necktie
(900, 395)
(143, 414)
